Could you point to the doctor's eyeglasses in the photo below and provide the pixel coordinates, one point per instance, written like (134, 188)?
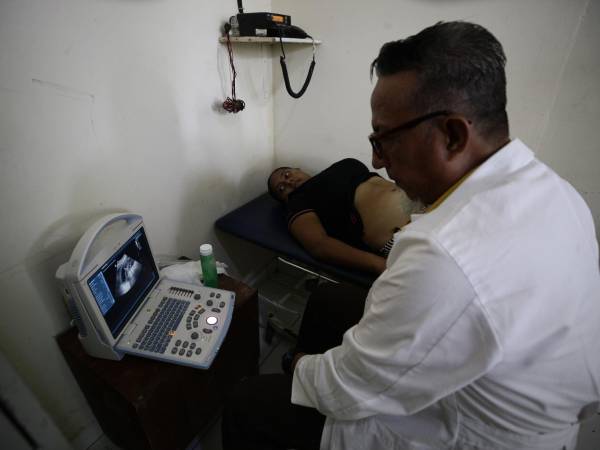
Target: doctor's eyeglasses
(376, 138)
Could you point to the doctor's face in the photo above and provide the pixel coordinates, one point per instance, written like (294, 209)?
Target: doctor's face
(412, 156)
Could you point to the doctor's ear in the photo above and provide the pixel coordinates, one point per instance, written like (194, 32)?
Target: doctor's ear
(458, 131)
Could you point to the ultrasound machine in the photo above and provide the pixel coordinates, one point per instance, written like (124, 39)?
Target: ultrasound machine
(121, 304)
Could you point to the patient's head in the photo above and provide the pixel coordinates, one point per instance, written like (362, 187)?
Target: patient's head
(284, 180)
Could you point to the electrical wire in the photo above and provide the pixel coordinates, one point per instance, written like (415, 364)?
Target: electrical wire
(232, 104)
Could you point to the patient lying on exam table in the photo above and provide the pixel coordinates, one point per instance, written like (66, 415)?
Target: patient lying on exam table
(344, 215)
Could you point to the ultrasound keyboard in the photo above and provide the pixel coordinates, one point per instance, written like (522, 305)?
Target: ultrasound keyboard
(187, 326)
(157, 334)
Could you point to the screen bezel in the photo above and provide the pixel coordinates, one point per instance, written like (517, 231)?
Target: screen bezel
(103, 265)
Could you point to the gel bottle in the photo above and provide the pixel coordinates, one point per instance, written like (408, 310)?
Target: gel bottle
(209, 267)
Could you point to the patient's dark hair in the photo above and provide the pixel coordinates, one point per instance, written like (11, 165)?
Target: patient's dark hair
(272, 190)
(460, 67)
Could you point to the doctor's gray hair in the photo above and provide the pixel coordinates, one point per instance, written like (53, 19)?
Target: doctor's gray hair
(460, 67)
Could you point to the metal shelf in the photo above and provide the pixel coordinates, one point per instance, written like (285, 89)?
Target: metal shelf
(266, 40)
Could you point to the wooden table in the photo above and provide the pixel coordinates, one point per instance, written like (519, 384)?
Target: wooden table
(146, 404)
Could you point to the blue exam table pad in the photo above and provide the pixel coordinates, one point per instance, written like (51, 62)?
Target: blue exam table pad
(262, 222)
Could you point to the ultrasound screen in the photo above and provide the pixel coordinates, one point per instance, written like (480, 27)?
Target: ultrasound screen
(123, 281)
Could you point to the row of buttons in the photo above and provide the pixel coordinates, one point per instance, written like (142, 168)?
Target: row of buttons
(210, 303)
(197, 296)
(181, 292)
(189, 352)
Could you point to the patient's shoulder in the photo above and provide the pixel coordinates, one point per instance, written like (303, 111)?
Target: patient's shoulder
(351, 162)
(346, 167)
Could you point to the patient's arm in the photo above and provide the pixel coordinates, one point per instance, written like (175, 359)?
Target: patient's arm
(309, 231)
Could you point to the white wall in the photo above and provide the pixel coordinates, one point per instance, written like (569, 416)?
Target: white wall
(569, 138)
(113, 105)
(552, 70)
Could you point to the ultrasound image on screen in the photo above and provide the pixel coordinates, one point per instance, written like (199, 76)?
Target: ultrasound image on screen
(123, 281)
(128, 271)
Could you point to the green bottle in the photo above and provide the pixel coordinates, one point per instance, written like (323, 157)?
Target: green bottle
(208, 265)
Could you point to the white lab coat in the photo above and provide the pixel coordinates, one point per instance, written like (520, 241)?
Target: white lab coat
(483, 331)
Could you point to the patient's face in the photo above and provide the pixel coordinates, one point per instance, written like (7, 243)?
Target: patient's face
(286, 180)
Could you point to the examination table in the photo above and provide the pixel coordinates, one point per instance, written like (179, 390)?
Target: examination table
(262, 222)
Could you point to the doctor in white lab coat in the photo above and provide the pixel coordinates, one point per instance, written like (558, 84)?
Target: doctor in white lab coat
(483, 331)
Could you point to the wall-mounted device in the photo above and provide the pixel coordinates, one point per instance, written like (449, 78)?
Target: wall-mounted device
(121, 304)
(266, 24)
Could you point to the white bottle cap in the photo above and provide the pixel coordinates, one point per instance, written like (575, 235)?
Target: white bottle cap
(205, 250)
